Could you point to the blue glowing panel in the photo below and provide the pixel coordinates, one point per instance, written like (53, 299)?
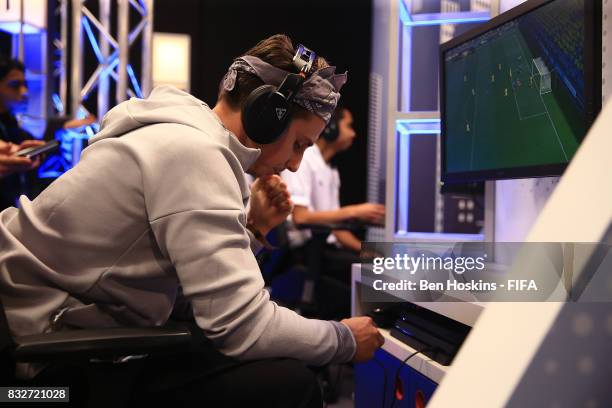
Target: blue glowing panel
(430, 14)
(448, 18)
(14, 27)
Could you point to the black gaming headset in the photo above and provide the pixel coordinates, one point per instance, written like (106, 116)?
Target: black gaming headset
(332, 130)
(267, 110)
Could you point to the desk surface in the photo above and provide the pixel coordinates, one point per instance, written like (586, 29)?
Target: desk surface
(465, 312)
(421, 363)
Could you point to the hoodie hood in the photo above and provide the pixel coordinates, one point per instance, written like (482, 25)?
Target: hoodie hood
(167, 104)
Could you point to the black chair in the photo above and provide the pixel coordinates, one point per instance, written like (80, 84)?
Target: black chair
(113, 347)
(305, 265)
(319, 286)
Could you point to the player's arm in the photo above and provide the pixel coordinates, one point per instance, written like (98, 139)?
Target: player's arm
(348, 240)
(302, 215)
(76, 123)
(367, 212)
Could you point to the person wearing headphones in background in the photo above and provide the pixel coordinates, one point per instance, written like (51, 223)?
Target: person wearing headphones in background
(315, 187)
(315, 191)
(16, 177)
(156, 204)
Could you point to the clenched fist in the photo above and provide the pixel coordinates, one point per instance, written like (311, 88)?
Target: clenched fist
(367, 337)
(270, 203)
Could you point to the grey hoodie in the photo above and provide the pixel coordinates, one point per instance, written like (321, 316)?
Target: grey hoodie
(156, 201)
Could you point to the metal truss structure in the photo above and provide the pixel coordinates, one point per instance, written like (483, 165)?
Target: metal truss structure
(82, 27)
(111, 51)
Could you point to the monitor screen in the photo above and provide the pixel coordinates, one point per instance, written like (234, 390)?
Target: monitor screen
(519, 93)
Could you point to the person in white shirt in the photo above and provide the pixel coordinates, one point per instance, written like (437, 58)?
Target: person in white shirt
(315, 191)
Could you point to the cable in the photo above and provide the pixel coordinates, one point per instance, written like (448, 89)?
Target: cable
(397, 373)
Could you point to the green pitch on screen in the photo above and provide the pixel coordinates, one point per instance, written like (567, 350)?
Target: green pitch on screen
(498, 114)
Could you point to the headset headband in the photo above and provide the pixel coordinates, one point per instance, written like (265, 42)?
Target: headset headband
(318, 94)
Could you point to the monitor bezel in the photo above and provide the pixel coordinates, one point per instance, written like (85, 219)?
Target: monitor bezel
(592, 61)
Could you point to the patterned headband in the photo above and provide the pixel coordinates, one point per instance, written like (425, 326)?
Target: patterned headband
(318, 94)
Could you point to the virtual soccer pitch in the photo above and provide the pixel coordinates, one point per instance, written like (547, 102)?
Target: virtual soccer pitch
(496, 115)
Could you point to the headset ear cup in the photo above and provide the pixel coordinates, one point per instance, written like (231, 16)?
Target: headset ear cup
(250, 112)
(265, 115)
(331, 131)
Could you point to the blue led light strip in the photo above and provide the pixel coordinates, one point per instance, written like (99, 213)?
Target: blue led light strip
(134, 81)
(92, 39)
(403, 178)
(429, 19)
(448, 18)
(404, 14)
(420, 126)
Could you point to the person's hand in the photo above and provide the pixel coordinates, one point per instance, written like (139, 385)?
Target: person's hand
(367, 337)
(270, 203)
(10, 164)
(369, 254)
(368, 212)
(29, 143)
(33, 143)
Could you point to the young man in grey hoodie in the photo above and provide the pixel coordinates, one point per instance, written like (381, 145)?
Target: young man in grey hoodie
(157, 203)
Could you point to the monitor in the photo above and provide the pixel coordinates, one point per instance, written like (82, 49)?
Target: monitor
(518, 93)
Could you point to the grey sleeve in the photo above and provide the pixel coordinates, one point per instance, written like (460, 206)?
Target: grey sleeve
(222, 280)
(201, 230)
(256, 246)
(348, 346)
(334, 340)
